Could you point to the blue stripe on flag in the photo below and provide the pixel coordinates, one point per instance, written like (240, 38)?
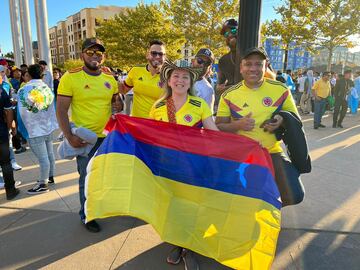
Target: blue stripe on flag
(197, 170)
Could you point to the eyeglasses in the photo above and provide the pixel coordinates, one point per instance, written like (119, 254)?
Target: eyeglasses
(202, 61)
(232, 31)
(155, 53)
(90, 53)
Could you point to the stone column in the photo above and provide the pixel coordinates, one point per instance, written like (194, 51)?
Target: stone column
(26, 31)
(15, 30)
(43, 32)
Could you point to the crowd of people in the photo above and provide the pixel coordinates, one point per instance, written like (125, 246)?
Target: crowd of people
(35, 103)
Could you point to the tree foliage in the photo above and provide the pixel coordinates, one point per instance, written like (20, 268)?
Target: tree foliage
(200, 21)
(293, 27)
(314, 23)
(334, 22)
(127, 36)
(71, 64)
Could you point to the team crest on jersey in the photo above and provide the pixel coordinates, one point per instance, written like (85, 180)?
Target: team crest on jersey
(161, 84)
(267, 101)
(107, 85)
(188, 118)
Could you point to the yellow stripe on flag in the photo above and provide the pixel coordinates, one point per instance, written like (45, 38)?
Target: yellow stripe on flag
(207, 221)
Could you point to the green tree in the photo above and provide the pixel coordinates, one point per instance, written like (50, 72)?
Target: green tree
(70, 64)
(9, 55)
(293, 27)
(127, 36)
(334, 22)
(201, 20)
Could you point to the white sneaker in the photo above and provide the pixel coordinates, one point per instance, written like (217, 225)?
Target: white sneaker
(15, 166)
(17, 183)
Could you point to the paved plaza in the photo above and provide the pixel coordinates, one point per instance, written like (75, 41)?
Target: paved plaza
(323, 232)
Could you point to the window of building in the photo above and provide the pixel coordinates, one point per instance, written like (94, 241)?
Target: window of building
(68, 28)
(79, 26)
(71, 27)
(84, 34)
(83, 22)
(186, 53)
(69, 38)
(72, 37)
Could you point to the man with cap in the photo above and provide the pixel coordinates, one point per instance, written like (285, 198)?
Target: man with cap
(145, 80)
(91, 93)
(244, 107)
(204, 59)
(47, 76)
(251, 108)
(227, 61)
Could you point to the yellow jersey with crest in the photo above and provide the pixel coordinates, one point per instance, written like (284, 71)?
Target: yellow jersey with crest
(239, 100)
(91, 98)
(192, 113)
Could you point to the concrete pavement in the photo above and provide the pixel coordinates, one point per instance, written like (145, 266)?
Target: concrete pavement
(323, 232)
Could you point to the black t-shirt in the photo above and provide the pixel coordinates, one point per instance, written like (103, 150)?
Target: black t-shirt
(227, 69)
(4, 104)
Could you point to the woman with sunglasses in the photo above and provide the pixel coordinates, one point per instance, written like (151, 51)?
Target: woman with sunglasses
(179, 106)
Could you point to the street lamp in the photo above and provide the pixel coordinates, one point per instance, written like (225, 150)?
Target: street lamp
(248, 30)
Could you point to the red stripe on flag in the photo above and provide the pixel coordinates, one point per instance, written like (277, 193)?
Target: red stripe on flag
(192, 140)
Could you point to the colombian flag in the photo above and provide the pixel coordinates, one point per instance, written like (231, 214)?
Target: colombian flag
(208, 191)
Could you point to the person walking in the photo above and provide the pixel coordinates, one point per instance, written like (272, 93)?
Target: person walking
(37, 113)
(321, 90)
(341, 93)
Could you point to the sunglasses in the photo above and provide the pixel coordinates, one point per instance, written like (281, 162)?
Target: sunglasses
(202, 61)
(91, 53)
(232, 31)
(155, 53)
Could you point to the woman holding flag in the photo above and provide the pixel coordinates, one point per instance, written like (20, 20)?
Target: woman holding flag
(180, 106)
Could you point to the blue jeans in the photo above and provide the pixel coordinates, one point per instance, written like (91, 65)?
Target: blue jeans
(42, 148)
(82, 163)
(319, 111)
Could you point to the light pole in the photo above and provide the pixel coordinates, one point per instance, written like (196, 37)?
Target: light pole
(248, 30)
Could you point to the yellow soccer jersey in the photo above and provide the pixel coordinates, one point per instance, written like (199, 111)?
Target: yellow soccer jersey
(146, 90)
(91, 98)
(192, 113)
(239, 100)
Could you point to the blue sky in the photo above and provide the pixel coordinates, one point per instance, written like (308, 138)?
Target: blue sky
(59, 10)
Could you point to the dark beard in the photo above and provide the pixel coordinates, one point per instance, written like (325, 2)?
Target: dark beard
(90, 67)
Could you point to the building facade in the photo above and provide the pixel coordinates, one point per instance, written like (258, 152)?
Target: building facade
(341, 56)
(67, 36)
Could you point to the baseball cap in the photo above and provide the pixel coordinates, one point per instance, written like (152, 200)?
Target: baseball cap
(256, 50)
(89, 42)
(228, 24)
(207, 53)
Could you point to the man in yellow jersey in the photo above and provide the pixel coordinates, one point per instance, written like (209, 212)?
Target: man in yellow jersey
(321, 90)
(251, 107)
(91, 93)
(145, 80)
